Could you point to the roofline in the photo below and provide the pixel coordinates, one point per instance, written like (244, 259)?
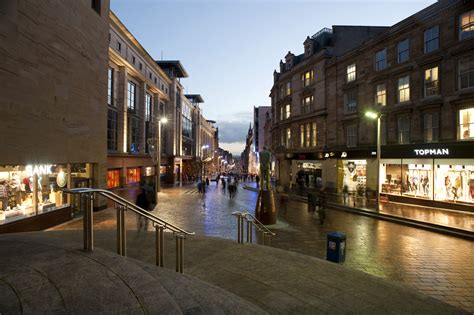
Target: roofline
(195, 96)
(174, 62)
(114, 18)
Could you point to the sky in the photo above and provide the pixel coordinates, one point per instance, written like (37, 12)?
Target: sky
(230, 48)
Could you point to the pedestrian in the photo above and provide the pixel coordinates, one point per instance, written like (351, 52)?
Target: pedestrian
(207, 181)
(345, 194)
(223, 184)
(257, 179)
(143, 202)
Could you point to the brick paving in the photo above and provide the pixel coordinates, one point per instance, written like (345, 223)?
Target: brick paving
(435, 264)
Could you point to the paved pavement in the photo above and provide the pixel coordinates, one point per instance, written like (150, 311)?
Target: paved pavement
(438, 265)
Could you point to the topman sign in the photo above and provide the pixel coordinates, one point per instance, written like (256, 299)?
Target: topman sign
(436, 152)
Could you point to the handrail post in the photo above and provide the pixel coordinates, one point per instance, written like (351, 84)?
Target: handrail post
(89, 221)
(179, 253)
(118, 207)
(124, 231)
(239, 218)
(249, 231)
(159, 233)
(241, 241)
(262, 237)
(85, 221)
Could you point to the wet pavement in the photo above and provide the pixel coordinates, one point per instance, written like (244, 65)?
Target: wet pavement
(435, 264)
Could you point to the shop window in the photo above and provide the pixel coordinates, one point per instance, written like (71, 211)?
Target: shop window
(466, 72)
(466, 124)
(466, 25)
(431, 82)
(355, 176)
(403, 50)
(113, 178)
(431, 127)
(112, 129)
(351, 72)
(380, 95)
(431, 39)
(351, 136)
(350, 101)
(381, 60)
(131, 96)
(306, 104)
(403, 130)
(403, 91)
(454, 182)
(307, 78)
(417, 179)
(309, 174)
(133, 176)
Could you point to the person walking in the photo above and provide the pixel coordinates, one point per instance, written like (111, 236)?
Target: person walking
(143, 202)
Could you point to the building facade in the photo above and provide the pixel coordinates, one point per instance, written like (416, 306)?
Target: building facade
(137, 96)
(52, 105)
(417, 76)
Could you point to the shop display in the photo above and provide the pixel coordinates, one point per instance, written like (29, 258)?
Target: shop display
(355, 176)
(309, 174)
(455, 183)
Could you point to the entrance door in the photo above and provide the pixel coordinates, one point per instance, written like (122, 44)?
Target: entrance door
(78, 206)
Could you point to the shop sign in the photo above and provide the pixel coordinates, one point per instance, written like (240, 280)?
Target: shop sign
(61, 180)
(39, 170)
(149, 171)
(422, 152)
(343, 154)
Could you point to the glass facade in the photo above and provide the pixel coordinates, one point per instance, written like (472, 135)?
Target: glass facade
(309, 174)
(113, 178)
(449, 180)
(354, 176)
(133, 175)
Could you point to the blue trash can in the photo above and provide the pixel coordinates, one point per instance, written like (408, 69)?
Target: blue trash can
(336, 247)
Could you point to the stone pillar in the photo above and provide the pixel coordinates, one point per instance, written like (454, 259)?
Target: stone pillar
(122, 141)
(141, 100)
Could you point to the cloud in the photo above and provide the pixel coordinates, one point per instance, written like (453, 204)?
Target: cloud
(235, 148)
(233, 131)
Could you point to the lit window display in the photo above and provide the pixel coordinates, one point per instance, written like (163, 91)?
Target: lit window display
(450, 180)
(309, 174)
(133, 175)
(31, 190)
(113, 178)
(355, 176)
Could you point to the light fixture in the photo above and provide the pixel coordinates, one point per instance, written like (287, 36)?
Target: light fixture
(163, 120)
(372, 115)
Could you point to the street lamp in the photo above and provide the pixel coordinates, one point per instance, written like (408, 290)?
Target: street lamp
(162, 120)
(206, 146)
(374, 115)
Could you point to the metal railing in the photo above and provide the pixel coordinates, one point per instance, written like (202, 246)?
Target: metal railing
(264, 233)
(87, 196)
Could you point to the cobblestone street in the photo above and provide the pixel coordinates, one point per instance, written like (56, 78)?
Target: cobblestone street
(432, 263)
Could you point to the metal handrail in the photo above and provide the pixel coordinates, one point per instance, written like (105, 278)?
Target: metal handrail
(133, 207)
(265, 233)
(122, 205)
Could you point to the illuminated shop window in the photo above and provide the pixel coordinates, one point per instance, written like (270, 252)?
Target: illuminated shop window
(113, 178)
(466, 124)
(133, 175)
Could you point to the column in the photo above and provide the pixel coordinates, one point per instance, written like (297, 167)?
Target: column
(141, 115)
(122, 76)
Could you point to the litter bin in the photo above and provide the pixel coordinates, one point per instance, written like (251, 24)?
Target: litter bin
(336, 247)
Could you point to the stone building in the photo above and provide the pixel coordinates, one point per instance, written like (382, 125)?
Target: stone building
(52, 69)
(417, 75)
(137, 96)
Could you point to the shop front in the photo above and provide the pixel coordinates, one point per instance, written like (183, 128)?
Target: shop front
(438, 175)
(32, 198)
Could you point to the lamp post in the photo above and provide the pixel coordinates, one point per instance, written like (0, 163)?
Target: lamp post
(374, 115)
(162, 120)
(206, 146)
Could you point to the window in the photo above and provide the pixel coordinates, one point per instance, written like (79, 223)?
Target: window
(351, 133)
(350, 101)
(134, 125)
(110, 87)
(403, 50)
(288, 88)
(466, 72)
(282, 92)
(288, 137)
(113, 178)
(380, 59)
(148, 106)
(351, 72)
(431, 82)
(287, 111)
(302, 136)
(140, 66)
(315, 132)
(282, 138)
(149, 75)
(96, 5)
(431, 127)
(466, 25)
(156, 81)
(403, 94)
(432, 39)
(281, 113)
(307, 78)
(466, 124)
(112, 129)
(380, 95)
(131, 96)
(133, 59)
(308, 135)
(119, 46)
(306, 104)
(403, 130)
